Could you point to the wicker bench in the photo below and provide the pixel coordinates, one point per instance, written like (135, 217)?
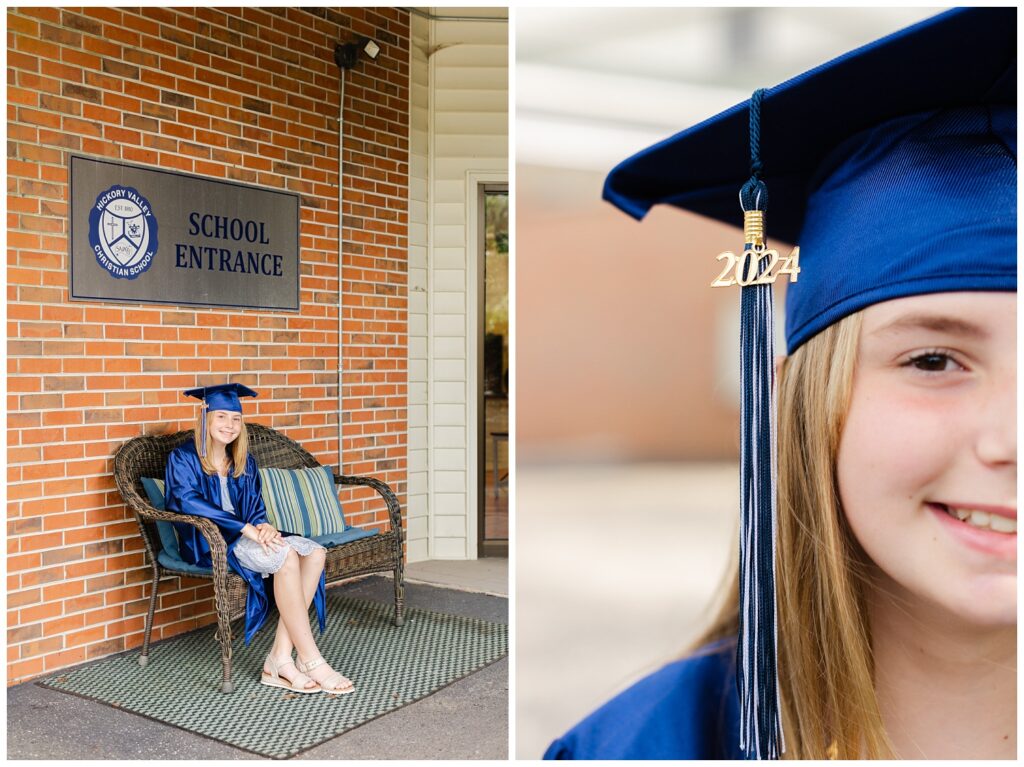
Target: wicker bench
(147, 457)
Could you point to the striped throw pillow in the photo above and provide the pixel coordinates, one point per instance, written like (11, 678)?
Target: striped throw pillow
(302, 501)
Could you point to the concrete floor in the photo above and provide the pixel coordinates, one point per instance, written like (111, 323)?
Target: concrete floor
(466, 720)
(488, 575)
(616, 567)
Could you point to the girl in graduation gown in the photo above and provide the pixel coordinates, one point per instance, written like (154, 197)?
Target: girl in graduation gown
(895, 543)
(218, 479)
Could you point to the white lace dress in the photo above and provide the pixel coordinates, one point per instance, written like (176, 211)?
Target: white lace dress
(251, 555)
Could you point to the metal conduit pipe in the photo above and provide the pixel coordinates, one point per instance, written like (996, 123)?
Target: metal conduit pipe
(346, 56)
(435, 17)
(341, 187)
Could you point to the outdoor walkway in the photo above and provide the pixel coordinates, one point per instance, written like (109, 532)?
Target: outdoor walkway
(466, 720)
(616, 566)
(488, 575)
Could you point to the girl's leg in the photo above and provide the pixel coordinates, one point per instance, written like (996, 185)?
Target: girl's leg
(295, 614)
(310, 568)
(307, 569)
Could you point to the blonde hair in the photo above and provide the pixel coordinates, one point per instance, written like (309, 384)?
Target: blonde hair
(238, 449)
(826, 671)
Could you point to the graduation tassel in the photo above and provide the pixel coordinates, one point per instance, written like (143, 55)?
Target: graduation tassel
(757, 645)
(202, 427)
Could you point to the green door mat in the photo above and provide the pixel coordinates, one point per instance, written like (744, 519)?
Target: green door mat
(389, 666)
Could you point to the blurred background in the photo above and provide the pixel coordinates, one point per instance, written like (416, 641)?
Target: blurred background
(627, 379)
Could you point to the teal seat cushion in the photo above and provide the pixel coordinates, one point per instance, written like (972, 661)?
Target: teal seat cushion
(302, 501)
(175, 563)
(327, 541)
(168, 536)
(331, 540)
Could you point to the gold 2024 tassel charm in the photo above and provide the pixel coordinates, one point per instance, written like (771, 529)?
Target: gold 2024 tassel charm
(746, 269)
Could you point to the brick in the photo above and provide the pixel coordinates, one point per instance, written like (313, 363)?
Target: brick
(100, 649)
(64, 658)
(101, 46)
(127, 626)
(81, 23)
(112, 118)
(22, 526)
(24, 633)
(87, 636)
(23, 670)
(61, 452)
(87, 602)
(42, 541)
(56, 138)
(82, 93)
(59, 556)
(59, 35)
(23, 348)
(104, 148)
(35, 117)
(140, 122)
(22, 598)
(111, 15)
(82, 127)
(103, 82)
(80, 58)
(159, 111)
(41, 646)
(120, 69)
(177, 99)
(64, 383)
(40, 612)
(103, 582)
(61, 591)
(103, 548)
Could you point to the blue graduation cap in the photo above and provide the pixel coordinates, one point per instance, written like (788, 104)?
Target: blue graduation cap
(222, 396)
(219, 397)
(894, 170)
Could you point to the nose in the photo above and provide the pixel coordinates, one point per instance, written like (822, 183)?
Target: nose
(997, 439)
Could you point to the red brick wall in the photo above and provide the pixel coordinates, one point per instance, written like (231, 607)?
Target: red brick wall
(245, 94)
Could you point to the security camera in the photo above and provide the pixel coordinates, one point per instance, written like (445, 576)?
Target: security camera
(346, 55)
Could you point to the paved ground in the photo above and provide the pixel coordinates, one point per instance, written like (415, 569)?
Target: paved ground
(488, 575)
(466, 720)
(615, 570)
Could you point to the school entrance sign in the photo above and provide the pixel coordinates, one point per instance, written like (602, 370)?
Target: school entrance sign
(157, 236)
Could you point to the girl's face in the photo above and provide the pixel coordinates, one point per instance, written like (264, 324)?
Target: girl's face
(224, 426)
(930, 438)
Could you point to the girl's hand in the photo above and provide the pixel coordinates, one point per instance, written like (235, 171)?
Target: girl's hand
(257, 534)
(269, 536)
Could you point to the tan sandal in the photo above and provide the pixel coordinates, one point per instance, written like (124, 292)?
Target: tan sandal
(340, 685)
(273, 678)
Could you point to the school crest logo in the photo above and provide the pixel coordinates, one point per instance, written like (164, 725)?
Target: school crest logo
(123, 232)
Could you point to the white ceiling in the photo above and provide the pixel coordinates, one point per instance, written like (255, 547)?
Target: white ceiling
(595, 85)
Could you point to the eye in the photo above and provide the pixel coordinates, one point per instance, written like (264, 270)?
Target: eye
(934, 361)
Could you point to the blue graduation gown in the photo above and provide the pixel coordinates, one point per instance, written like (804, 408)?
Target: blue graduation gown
(687, 710)
(190, 490)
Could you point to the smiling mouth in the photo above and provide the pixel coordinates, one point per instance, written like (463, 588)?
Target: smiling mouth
(983, 520)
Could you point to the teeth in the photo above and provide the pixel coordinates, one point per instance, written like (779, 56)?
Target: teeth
(984, 520)
(1003, 525)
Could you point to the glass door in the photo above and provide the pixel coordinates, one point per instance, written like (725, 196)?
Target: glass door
(493, 344)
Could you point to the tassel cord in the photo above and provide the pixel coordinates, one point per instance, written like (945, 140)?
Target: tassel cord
(757, 645)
